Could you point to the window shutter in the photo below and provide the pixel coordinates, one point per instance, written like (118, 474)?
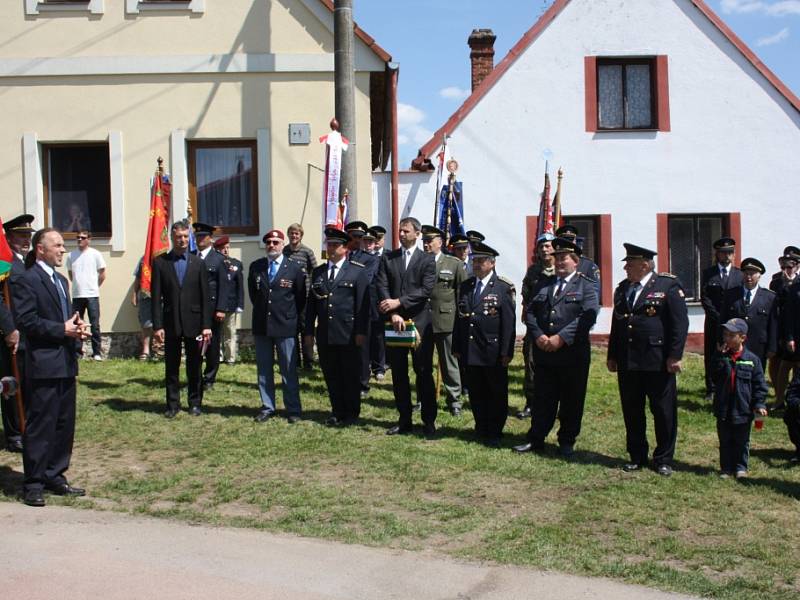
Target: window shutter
(590, 92)
(662, 93)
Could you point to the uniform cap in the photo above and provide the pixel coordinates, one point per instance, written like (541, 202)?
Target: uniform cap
(726, 244)
(203, 229)
(545, 237)
(562, 245)
(567, 231)
(379, 231)
(356, 228)
(20, 224)
(332, 234)
(221, 241)
(736, 326)
(632, 251)
(791, 252)
(273, 234)
(752, 264)
(475, 236)
(429, 232)
(481, 250)
(459, 240)
(369, 235)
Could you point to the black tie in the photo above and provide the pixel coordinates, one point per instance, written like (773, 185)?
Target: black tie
(332, 274)
(632, 294)
(724, 276)
(747, 298)
(62, 296)
(560, 288)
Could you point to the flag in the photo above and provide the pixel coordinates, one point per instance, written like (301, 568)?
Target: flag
(157, 241)
(545, 224)
(450, 217)
(335, 212)
(192, 239)
(557, 220)
(6, 255)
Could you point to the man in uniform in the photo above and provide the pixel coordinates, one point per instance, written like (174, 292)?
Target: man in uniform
(53, 335)
(380, 239)
(779, 367)
(181, 317)
(277, 288)
(377, 343)
(235, 304)
(337, 306)
(649, 326)
(757, 306)
(217, 296)
(405, 282)
(18, 233)
(542, 267)
(559, 315)
(483, 339)
(450, 274)
(586, 265)
(714, 282)
(301, 253)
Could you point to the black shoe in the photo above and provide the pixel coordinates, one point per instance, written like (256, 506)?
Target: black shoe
(429, 431)
(65, 489)
(292, 419)
(492, 442)
(350, 422)
(14, 445)
(525, 413)
(455, 411)
(264, 415)
(171, 413)
(398, 430)
(528, 447)
(417, 407)
(664, 470)
(631, 467)
(566, 450)
(195, 411)
(332, 421)
(33, 498)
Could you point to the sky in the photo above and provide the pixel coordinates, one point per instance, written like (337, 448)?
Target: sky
(428, 38)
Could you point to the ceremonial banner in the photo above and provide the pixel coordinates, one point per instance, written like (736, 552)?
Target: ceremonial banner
(6, 256)
(545, 224)
(157, 241)
(335, 212)
(450, 218)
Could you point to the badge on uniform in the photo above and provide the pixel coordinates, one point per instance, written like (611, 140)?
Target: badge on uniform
(656, 295)
(651, 311)
(285, 283)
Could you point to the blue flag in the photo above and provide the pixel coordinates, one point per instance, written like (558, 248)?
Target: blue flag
(455, 208)
(192, 241)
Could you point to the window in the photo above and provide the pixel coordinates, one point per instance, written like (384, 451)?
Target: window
(136, 6)
(690, 239)
(587, 235)
(626, 93)
(223, 188)
(35, 7)
(77, 188)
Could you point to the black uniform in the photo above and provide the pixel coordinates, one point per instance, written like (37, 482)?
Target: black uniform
(712, 293)
(535, 273)
(588, 268)
(218, 299)
(780, 285)
(642, 338)
(8, 405)
(484, 334)
(761, 316)
(337, 312)
(370, 262)
(561, 376)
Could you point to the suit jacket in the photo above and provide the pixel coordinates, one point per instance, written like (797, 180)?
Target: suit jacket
(181, 310)
(712, 292)
(412, 286)
(450, 274)
(571, 316)
(761, 317)
(276, 305)
(485, 329)
(6, 321)
(339, 309)
(233, 272)
(37, 311)
(217, 280)
(643, 338)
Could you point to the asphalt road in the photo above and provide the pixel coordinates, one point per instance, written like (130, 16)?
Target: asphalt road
(65, 553)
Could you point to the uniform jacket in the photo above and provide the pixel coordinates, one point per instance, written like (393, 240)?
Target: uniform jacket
(761, 317)
(6, 321)
(712, 291)
(571, 316)
(371, 264)
(412, 286)
(181, 310)
(655, 329)
(276, 305)
(17, 270)
(780, 285)
(592, 272)
(790, 319)
(450, 274)
(233, 272)
(49, 354)
(217, 280)
(532, 276)
(749, 392)
(485, 330)
(338, 309)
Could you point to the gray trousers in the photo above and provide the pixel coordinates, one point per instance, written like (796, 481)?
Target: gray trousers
(448, 365)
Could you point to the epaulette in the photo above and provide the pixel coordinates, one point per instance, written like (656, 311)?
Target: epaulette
(299, 262)
(358, 264)
(670, 275)
(506, 281)
(587, 278)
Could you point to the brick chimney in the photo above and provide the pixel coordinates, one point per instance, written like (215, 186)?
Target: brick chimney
(481, 43)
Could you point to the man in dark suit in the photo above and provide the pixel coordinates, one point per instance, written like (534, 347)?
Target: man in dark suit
(18, 233)
(338, 313)
(483, 339)
(560, 312)
(649, 326)
(277, 287)
(714, 282)
(41, 311)
(181, 317)
(757, 306)
(405, 281)
(217, 297)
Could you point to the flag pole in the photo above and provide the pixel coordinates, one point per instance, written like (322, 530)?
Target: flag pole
(439, 171)
(557, 201)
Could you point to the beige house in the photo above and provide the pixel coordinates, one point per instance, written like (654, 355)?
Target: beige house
(233, 94)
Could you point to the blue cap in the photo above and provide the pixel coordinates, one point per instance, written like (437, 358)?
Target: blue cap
(736, 326)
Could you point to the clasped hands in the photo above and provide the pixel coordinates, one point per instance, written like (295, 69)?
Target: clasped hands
(75, 327)
(549, 343)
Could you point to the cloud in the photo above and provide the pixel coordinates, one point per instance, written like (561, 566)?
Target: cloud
(453, 93)
(773, 9)
(773, 39)
(410, 125)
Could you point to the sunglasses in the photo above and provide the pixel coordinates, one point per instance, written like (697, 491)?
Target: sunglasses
(273, 242)
(82, 237)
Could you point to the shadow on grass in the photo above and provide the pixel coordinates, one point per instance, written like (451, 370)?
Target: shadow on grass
(696, 406)
(103, 385)
(790, 489)
(774, 457)
(10, 482)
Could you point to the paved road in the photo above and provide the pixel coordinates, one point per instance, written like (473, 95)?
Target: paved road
(64, 553)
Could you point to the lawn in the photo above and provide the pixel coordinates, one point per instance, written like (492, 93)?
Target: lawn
(692, 533)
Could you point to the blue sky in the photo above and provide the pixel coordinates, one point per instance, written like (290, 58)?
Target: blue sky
(429, 40)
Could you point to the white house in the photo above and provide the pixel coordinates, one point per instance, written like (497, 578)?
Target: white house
(670, 131)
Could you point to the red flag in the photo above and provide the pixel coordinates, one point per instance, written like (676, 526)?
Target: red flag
(6, 256)
(545, 224)
(157, 242)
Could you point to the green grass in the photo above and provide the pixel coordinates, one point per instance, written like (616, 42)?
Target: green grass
(692, 533)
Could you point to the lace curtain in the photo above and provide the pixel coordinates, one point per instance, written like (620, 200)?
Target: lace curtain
(224, 186)
(627, 107)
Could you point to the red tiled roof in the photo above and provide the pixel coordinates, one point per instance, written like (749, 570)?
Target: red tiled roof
(364, 36)
(432, 145)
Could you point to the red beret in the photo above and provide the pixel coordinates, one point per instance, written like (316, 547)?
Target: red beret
(274, 233)
(221, 241)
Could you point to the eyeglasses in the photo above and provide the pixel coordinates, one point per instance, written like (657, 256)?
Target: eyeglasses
(83, 237)
(273, 242)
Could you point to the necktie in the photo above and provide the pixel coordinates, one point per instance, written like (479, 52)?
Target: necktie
(408, 257)
(332, 274)
(273, 268)
(632, 294)
(723, 274)
(478, 289)
(747, 297)
(62, 296)
(560, 288)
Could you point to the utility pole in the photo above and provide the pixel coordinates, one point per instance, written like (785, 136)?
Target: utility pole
(345, 102)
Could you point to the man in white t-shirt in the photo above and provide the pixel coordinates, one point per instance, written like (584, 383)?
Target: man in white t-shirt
(87, 271)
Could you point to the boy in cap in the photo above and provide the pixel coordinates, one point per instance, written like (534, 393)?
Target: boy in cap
(739, 392)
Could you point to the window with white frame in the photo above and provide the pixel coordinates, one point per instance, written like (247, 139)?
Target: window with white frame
(39, 7)
(137, 6)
